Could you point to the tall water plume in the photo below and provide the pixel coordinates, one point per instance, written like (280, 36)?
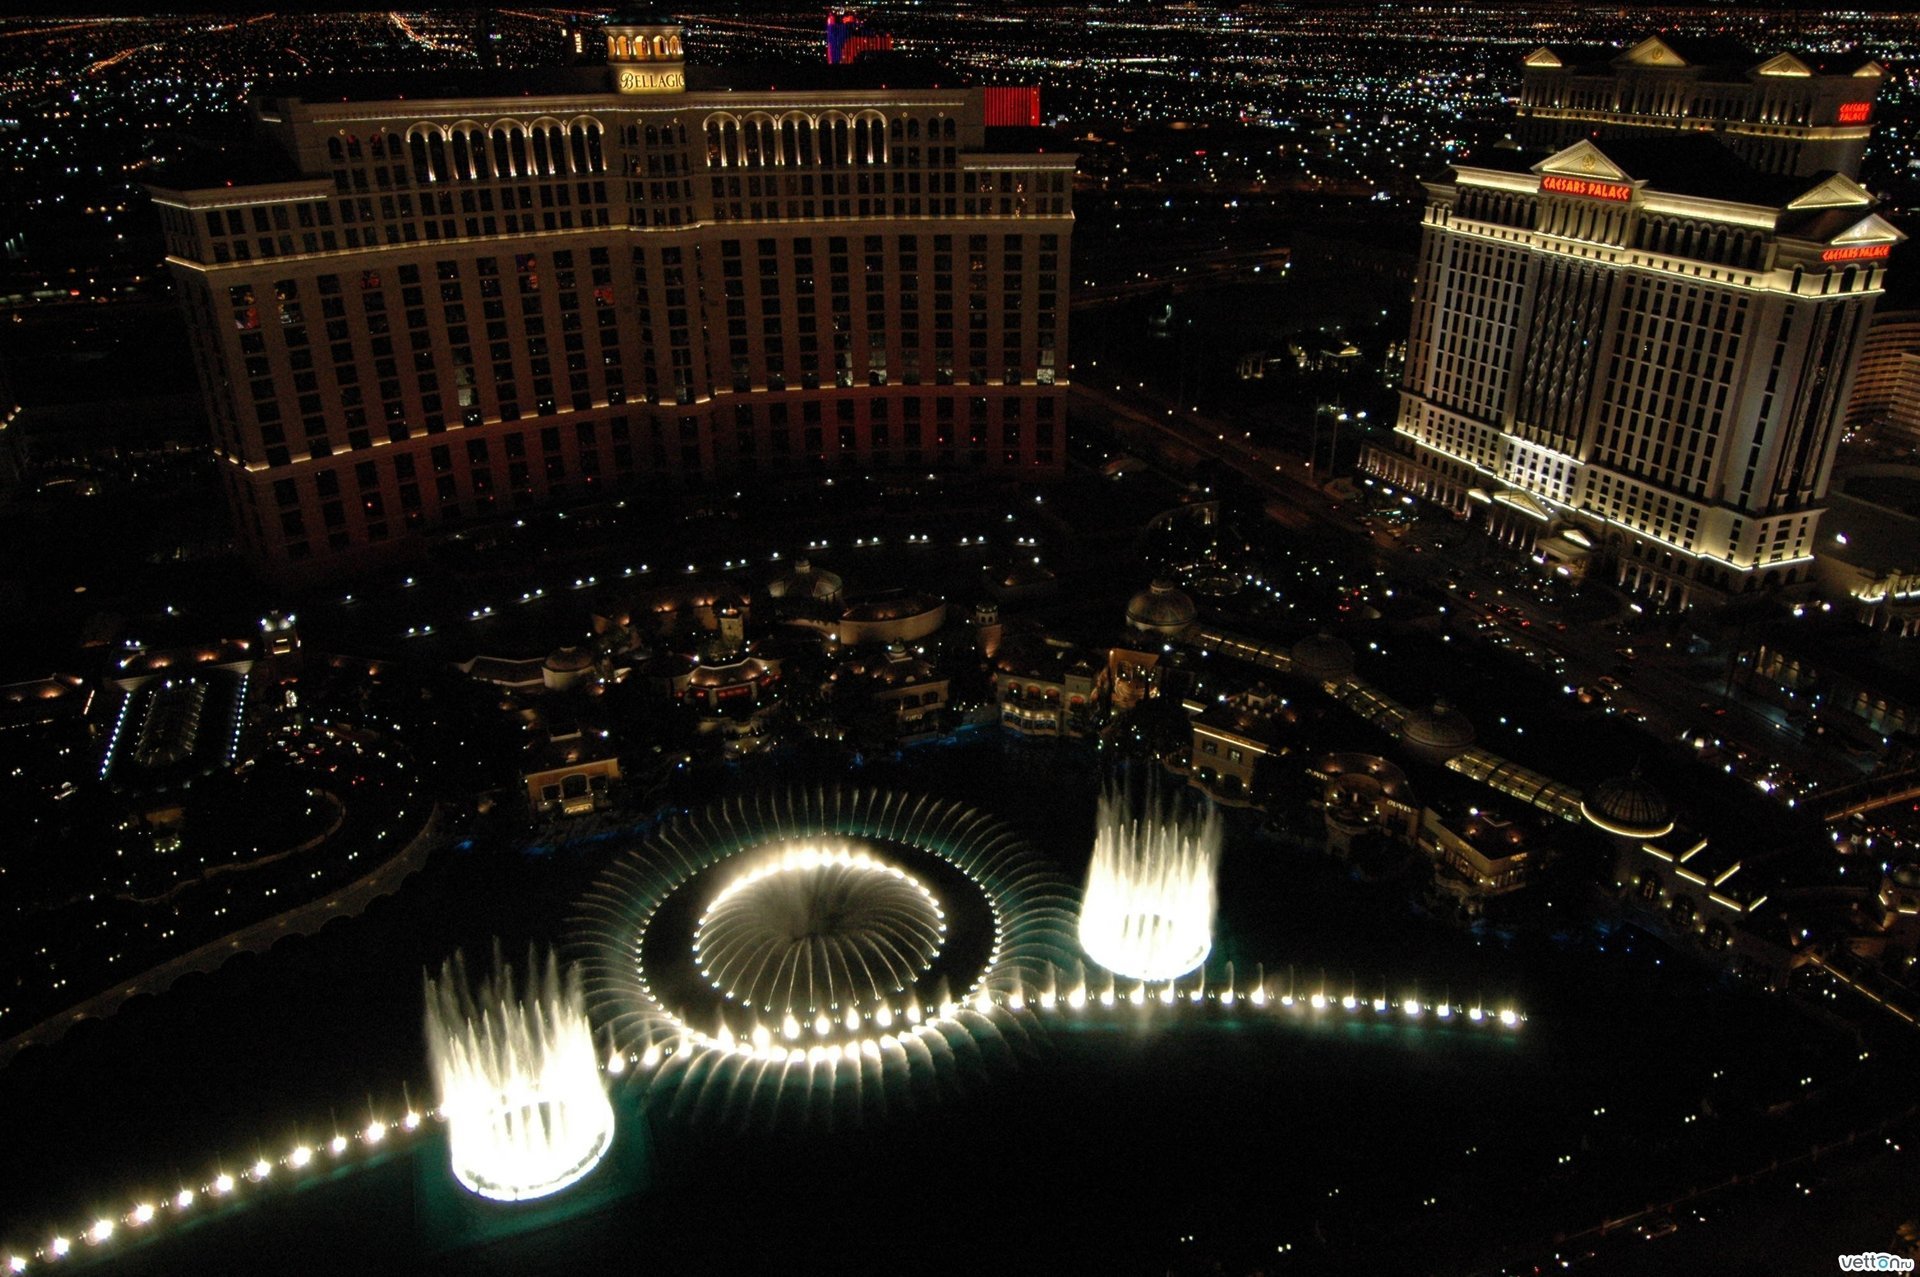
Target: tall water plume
(1148, 908)
(519, 1079)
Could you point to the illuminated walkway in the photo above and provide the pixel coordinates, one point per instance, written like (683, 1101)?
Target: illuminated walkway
(1376, 707)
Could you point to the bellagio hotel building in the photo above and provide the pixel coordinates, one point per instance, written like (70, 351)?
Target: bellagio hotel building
(1631, 349)
(435, 305)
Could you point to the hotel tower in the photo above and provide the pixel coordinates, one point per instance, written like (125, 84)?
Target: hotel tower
(433, 299)
(1631, 353)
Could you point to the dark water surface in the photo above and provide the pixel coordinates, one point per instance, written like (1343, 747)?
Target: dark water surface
(1100, 1148)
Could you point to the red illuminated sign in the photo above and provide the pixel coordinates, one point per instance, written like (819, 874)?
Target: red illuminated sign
(1855, 112)
(1856, 253)
(1587, 187)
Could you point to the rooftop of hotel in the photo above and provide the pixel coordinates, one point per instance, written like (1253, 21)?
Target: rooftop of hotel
(870, 73)
(1716, 58)
(1686, 164)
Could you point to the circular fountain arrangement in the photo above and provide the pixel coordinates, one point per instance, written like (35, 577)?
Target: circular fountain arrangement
(816, 926)
(862, 937)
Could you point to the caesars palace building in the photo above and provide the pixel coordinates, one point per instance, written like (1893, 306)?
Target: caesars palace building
(1632, 345)
(429, 304)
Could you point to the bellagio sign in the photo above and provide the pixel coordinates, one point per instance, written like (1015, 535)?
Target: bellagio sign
(633, 81)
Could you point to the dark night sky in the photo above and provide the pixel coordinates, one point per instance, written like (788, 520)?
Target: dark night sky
(52, 9)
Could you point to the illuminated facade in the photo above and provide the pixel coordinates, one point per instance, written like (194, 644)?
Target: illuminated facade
(554, 282)
(1638, 353)
(1787, 113)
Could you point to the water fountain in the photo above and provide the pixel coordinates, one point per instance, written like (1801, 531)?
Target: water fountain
(519, 1080)
(819, 926)
(820, 955)
(1147, 912)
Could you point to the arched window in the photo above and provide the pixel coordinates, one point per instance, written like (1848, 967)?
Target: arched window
(833, 140)
(419, 148)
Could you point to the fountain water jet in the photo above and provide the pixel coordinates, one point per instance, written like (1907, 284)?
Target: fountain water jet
(519, 1080)
(1148, 908)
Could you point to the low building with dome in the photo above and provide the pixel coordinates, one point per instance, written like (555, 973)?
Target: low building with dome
(1321, 658)
(1436, 733)
(1627, 807)
(566, 668)
(1162, 610)
(887, 616)
(805, 583)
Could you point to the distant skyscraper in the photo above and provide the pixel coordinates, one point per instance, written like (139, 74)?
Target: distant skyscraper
(1886, 390)
(1788, 113)
(1636, 353)
(438, 303)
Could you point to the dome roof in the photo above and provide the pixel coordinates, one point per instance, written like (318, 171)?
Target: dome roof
(806, 582)
(569, 660)
(1440, 729)
(1322, 658)
(1161, 608)
(1628, 806)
